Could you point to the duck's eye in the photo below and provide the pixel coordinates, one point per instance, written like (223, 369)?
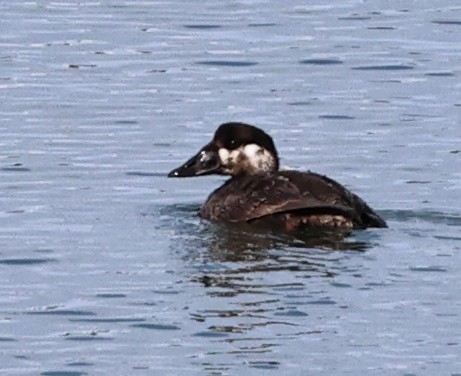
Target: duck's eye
(232, 143)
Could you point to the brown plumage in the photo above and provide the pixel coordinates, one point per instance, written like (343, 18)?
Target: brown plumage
(289, 199)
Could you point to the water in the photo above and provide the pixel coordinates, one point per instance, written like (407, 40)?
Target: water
(105, 267)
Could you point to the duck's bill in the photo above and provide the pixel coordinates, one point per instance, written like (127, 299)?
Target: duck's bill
(203, 163)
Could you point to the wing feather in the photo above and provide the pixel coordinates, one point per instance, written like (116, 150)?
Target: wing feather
(250, 197)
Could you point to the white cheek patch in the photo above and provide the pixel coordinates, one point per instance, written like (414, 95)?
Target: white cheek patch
(250, 157)
(228, 159)
(253, 151)
(258, 157)
(224, 155)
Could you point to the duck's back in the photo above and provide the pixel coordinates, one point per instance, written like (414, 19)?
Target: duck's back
(289, 199)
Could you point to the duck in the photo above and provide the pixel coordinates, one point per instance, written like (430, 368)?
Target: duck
(259, 193)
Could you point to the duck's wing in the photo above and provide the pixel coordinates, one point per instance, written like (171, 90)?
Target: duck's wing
(251, 197)
(294, 191)
(335, 196)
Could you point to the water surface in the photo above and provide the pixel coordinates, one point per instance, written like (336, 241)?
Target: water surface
(105, 266)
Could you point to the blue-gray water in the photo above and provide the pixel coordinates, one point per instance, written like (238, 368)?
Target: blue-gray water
(105, 267)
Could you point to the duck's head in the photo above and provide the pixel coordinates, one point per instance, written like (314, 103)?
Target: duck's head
(236, 148)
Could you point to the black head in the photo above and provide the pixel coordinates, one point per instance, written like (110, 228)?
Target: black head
(236, 148)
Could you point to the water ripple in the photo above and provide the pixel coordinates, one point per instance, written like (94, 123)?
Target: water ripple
(26, 261)
(390, 67)
(447, 22)
(61, 312)
(227, 63)
(202, 26)
(63, 373)
(156, 326)
(321, 61)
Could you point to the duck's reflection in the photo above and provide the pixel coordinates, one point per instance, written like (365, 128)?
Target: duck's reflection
(229, 242)
(226, 249)
(253, 279)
